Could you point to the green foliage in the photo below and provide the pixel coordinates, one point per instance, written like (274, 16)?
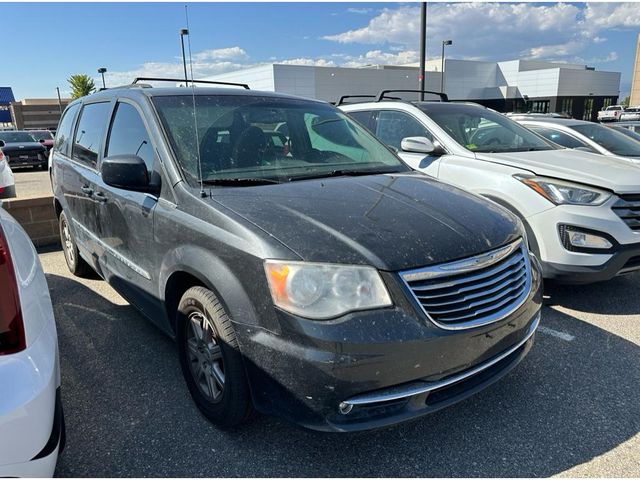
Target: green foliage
(625, 102)
(81, 85)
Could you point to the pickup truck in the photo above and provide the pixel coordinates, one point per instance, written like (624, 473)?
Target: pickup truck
(610, 114)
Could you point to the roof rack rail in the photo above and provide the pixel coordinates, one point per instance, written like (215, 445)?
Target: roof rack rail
(178, 80)
(341, 100)
(383, 94)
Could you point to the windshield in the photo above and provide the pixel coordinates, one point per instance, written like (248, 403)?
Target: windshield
(268, 139)
(616, 142)
(481, 130)
(43, 135)
(16, 137)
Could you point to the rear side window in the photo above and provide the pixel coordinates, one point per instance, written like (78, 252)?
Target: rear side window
(128, 135)
(560, 138)
(363, 118)
(65, 130)
(90, 132)
(392, 127)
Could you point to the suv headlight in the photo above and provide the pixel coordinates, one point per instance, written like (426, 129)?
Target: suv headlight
(322, 291)
(560, 192)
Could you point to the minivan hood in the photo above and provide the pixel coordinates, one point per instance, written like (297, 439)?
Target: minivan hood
(392, 222)
(613, 173)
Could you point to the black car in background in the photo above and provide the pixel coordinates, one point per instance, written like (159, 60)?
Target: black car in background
(309, 274)
(21, 149)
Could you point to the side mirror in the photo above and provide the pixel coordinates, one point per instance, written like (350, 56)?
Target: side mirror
(421, 145)
(2, 144)
(128, 172)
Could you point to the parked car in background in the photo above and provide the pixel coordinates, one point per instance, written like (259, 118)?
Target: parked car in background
(7, 182)
(610, 114)
(581, 210)
(584, 135)
(21, 149)
(633, 126)
(31, 419)
(631, 114)
(45, 137)
(309, 274)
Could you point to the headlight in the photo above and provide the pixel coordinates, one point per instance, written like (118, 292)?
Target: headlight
(565, 193)
(322, 291)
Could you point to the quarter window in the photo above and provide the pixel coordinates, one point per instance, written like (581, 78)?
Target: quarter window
(90, 132)
(128, 135)
(393, 126)
(65, 129)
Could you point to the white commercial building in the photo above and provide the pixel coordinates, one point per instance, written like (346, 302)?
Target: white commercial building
(517, 85)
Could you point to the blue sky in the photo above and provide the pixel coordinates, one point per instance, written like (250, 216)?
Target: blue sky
(131, 39)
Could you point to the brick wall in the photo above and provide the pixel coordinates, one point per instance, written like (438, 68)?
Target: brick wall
(37, 216)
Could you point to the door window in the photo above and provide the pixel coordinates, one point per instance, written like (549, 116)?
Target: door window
(128, 135)
(392, 126)
(363, 118)
(90, 131)
(65, 129)
(560, 138)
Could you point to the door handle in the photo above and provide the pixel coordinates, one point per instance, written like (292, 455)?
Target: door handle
(87, 190)
(99, 197)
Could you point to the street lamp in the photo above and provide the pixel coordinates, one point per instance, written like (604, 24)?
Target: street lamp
(184, 32)
(444, 42)
(101, 71)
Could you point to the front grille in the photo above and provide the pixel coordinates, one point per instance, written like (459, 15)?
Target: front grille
(628, 209)
(474, 291)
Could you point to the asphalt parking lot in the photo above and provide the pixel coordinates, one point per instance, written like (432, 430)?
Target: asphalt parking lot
(31, 182)
(571, 408)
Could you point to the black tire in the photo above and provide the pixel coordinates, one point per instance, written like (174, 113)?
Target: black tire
(75, 262)
(233, 406)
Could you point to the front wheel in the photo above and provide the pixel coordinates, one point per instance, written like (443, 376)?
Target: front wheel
(75, 262)
(210, 359)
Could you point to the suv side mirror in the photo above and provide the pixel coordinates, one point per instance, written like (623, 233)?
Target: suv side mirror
(421, 145)
(128, 172)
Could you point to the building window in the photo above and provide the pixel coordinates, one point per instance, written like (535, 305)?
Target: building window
(567, 106)
(607, 102)
(588, 109)
(538, 106)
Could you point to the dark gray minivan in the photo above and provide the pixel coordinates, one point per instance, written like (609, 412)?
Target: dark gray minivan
(303, 269)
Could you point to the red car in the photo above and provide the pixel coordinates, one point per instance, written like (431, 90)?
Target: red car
(45, 137)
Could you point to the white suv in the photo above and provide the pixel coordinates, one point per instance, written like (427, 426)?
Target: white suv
(581, 210)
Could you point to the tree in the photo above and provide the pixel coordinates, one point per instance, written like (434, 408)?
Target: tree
(81, 85)
(625, 102)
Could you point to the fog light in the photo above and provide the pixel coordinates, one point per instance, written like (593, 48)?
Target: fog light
(587, 240)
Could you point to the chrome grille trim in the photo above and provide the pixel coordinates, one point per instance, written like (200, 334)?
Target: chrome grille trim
(486, 289)
(628, 209)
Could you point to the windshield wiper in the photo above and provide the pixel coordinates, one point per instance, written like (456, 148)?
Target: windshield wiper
(343, 172)
(239, 181)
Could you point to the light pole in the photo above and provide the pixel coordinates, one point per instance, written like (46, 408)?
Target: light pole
(59, 100)
(444, 42)
(101, 71)
(423, 46)
(184, 32)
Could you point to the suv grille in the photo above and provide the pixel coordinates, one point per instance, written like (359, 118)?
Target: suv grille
(474, 291)
(628, 209)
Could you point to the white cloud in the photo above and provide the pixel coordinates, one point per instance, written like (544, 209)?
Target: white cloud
(377, 57)
(359, 11)
(496, 30)
(318, 62)
(221, 53)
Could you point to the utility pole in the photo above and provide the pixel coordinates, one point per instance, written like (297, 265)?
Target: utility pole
(184, 32)
(423, 45)
(444, 42)
(59, 100)
(102, 71)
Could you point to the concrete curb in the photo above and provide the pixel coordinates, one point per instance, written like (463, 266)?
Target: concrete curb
(37, 216)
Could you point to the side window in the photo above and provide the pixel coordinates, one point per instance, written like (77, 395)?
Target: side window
(90, 131)
(363, 118)
(393, 126)
(128, 135)
(65, 130)
(560, 138)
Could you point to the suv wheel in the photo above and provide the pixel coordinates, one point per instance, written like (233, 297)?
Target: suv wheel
(76, 264)
(211, 360)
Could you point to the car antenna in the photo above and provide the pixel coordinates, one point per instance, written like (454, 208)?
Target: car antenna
(193, 97)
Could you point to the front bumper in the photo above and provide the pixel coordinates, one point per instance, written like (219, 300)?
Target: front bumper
(562, 265)
(377, 368)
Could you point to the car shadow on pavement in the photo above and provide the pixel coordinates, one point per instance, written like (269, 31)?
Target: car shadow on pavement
(618, 296)
(129, 413)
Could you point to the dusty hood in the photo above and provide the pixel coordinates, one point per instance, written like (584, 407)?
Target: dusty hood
(392, 222)
(612, 173)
